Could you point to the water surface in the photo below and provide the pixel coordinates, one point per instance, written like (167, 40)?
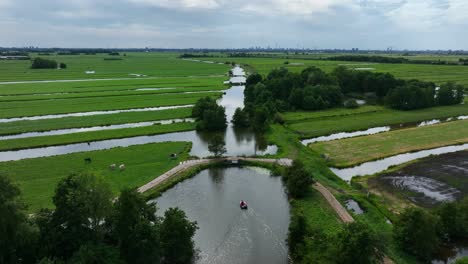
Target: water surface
(228, 234)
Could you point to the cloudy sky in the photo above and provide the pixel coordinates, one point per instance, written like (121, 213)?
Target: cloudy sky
(365, 24)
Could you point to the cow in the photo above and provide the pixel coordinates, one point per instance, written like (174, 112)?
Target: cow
(87, 160)
(112, 166)
(122, 167)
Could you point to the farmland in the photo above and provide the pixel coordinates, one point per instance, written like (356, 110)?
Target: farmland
(134, 88)
(148, 64)
(139, 82)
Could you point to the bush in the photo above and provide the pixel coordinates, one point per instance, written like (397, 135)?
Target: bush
(357, 243)
(63, 65)
(298, 180)
(40, 63)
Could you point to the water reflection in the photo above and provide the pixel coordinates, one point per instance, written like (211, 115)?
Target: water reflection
(372, 167)
(228, 234)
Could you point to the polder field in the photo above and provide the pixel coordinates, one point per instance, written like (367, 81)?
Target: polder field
(83, 110)
(140, 94)
(108, 66)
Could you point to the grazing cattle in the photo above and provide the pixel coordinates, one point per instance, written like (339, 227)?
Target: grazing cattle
(122, 167)
(87, 160)
(113, 166)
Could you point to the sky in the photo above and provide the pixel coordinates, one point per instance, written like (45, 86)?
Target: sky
(319, 24)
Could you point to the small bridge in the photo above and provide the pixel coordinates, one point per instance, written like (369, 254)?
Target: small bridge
(185, 165)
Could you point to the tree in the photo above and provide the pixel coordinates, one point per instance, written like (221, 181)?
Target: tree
(260, 119)
(82, 204)
(209, 114)
(217, 146)
(240, 118)
(357, 243)
(63, 65)
(296, 235)
(177, 237)
(96, 253)
(136, 228)
(450, 94)
(416, 233)
(298, 179)
(451, 220)
(17, 236)
(40, 63)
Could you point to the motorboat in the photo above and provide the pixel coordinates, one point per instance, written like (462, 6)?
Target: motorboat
(243, 205)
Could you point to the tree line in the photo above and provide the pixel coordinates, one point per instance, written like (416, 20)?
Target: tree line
(314, 89)
(394, 60)
(88, 226)
(40, 63)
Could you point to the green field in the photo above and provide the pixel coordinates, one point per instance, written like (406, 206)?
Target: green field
(43, 141)
(90, 121)
(352, 151)
(149, 64)
(320, 123)
(38, 177)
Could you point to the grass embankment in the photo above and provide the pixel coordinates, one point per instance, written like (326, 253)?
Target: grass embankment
(319, 214)
(149, 64)
(314, 124)
(63, 106)
(38, 177)
(352, 151)
(43, 141)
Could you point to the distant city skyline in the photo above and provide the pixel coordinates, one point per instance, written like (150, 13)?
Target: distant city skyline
(310, 24)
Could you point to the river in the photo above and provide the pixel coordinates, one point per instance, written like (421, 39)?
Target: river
(228, 234)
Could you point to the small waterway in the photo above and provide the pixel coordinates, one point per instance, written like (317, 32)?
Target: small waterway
(226, 233)
(92, 113)
(449, 254)
(95, 128)
(373, 167)
(377, 130)
(239, 142)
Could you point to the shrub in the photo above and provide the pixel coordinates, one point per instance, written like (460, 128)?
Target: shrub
(40, 63)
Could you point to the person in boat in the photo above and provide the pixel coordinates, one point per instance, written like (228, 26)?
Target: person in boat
(243, 204)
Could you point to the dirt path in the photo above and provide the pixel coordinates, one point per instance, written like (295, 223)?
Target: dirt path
(193, 163)
(333, 202)
(342, 213)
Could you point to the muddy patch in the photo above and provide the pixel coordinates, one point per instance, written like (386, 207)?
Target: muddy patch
(430, 181)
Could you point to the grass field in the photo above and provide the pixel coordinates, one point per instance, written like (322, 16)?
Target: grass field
(90, 121)
(313, 124)
(149, 64)
(43, 141)
(352, 151)
(37, 178)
